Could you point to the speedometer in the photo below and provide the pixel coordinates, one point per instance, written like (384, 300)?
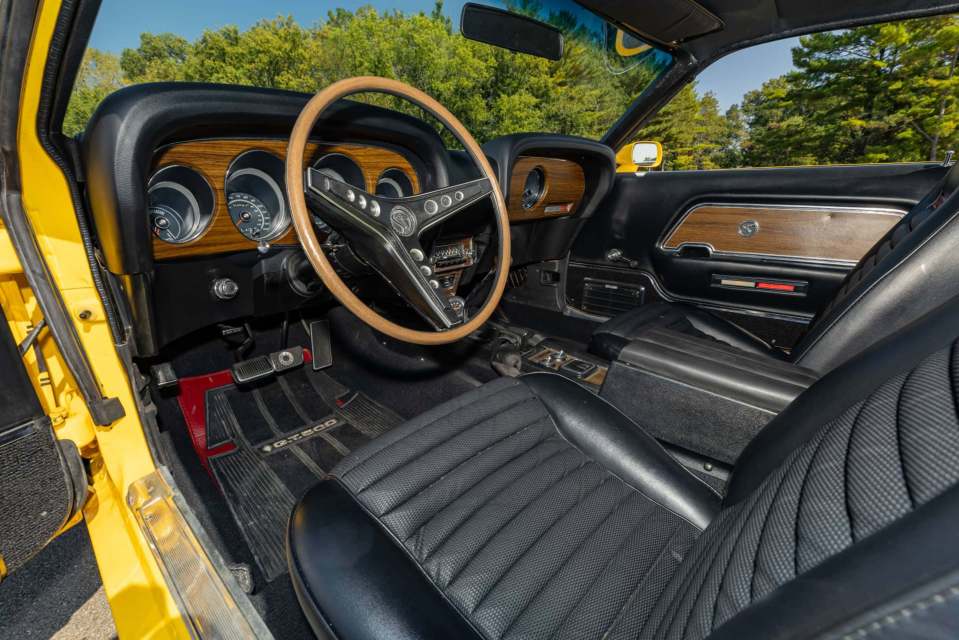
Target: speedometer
(251, 217)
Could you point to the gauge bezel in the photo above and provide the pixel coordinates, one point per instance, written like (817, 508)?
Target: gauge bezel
(357, 177)
(160, 179)
(541, 194)
(242, 166)
(399, 179)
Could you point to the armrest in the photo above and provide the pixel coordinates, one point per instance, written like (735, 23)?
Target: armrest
(718, 368)
(700, 394)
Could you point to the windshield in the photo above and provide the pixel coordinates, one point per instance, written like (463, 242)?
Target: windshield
(306, 45)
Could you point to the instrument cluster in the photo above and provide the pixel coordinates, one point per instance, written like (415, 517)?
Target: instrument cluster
(184, 205)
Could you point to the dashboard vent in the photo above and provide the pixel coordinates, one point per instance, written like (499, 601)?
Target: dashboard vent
(606, 298)
(517, 277)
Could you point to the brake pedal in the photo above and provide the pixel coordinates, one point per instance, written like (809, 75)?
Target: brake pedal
(263, 367)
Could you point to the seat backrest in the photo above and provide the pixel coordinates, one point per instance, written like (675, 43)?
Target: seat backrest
(909, 272)
(841, 515)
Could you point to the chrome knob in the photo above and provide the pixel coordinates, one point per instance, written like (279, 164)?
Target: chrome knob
(225, 288)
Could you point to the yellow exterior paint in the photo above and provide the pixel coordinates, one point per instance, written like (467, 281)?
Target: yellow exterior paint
(142, 605)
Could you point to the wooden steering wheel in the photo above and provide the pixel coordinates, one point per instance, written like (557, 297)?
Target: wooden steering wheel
(386, 232)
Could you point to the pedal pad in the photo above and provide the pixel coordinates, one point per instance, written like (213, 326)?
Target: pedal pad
(263, 367)
(320, 344)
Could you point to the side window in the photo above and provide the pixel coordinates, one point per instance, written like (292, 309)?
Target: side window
(872, 94)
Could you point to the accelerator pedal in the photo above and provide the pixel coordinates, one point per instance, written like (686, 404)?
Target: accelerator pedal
(263, 367)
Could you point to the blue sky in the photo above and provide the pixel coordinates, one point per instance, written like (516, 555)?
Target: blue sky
(121, 21)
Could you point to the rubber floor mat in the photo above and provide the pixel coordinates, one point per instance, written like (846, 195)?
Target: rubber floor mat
(281, 438)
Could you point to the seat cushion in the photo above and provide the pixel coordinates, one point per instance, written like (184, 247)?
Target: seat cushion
(610, 337)
(526, 508)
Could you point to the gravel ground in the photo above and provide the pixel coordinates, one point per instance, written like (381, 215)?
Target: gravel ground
(58, 594)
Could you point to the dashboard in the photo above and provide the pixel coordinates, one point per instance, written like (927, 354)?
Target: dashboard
(185, 184)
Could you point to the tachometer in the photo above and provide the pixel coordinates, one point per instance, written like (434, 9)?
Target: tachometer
(251, 217)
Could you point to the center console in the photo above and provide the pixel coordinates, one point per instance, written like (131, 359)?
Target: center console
(700, 394)
(580, 367)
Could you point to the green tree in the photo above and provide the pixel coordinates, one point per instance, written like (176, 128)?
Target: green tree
(99, 76)
(878, 93)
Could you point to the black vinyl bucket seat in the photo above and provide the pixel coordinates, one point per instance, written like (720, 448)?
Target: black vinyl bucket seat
(910, 271)
(530, 508)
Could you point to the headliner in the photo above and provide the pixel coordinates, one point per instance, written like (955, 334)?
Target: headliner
(748, 22)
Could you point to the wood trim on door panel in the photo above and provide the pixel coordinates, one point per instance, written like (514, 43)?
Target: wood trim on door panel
(212, 158)
(564, 186)
(840, 235)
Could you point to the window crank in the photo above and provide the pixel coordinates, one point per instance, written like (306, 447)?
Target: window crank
(616, 255)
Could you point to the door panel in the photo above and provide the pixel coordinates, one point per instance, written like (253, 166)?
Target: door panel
(37, 494)
(782, 232)
(682, 230)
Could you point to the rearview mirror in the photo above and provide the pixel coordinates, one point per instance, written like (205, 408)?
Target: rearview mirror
(511, 31)
(639, 155)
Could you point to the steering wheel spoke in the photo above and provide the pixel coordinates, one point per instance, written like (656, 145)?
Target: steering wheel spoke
(344, 205)
(437, 206)
(413, 280)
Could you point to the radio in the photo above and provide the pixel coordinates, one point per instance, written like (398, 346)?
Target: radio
(456, 255)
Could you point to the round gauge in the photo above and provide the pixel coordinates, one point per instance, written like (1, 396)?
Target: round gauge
(534, 188)
(180, 204)
(342, 168)
(394, 183)
(254, 196)
(251, 217)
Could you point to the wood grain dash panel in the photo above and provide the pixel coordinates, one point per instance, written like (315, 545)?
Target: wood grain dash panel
(840, 234)
(564, 185)
(212, 158)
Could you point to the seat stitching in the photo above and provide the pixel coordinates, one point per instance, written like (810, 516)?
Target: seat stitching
(516, 515)
(358, 463)
(902, 458)
(525, 551)
(742, 522)
(586, 538)
(389, 534)
(640, 581)
(612, 556)
(464, 461)
(787, 469)
(432, 422)
(491, 474)
(443, 542)
(950, 365)
(845, 468)
(419, 454)
(821, 438)
(904, 614)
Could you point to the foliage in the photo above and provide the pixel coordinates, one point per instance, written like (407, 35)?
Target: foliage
(493, 91)
(878, 93)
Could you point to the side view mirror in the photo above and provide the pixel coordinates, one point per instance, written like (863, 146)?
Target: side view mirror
(638, 156)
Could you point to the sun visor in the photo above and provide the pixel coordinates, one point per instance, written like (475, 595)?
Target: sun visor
(667, 22)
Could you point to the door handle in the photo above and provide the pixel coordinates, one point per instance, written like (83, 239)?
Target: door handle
(616, 255)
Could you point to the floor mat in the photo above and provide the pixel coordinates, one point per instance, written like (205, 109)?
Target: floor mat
(267, 444)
